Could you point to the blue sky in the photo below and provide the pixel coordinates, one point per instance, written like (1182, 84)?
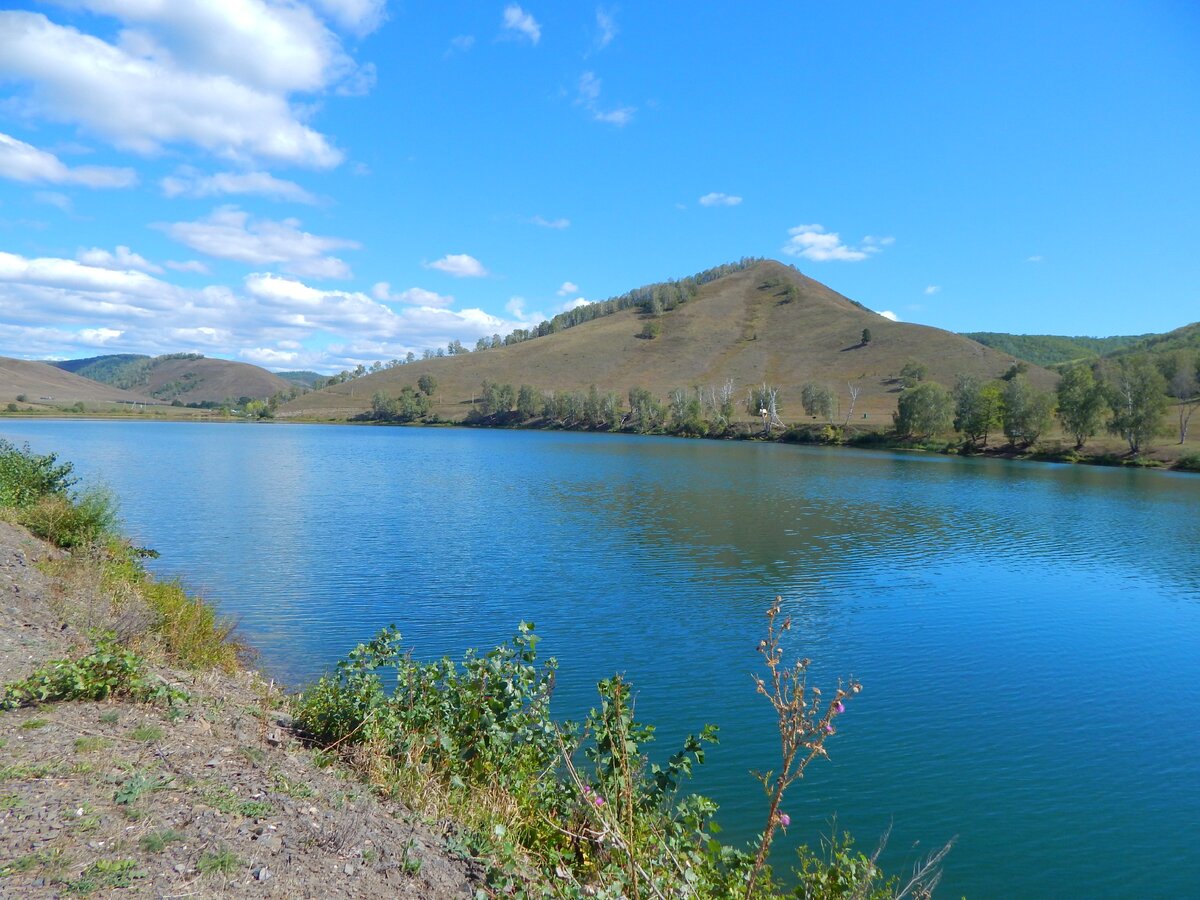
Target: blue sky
(316, 184)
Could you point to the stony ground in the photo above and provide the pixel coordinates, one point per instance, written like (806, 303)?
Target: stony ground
(118, 798)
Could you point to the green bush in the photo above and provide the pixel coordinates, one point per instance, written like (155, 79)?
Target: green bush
(108, 671)
(1189, 462)
(26, 477)
(71, 523)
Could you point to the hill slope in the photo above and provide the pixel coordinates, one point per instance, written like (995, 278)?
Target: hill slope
(187, 377)
(40, 383)
(1053, 349)
(767, 322)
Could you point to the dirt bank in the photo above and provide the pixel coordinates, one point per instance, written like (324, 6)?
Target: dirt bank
(114, 798)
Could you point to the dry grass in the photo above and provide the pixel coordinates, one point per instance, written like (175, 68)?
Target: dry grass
(734, 328)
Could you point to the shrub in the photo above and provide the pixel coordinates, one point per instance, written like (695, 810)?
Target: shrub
(68, 524)
(108, 671)
(1189, 462)
(26, 477)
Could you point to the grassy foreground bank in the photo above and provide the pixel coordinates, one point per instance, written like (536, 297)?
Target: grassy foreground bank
(223, 781)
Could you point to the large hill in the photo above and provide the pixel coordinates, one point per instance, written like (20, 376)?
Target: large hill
(1055, 349)
(187, 377)
(42, 384)
(765, 322)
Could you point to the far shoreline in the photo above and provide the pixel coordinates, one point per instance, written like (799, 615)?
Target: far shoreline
(800, 435)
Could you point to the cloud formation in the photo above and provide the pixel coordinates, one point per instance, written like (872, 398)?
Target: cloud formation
(215, 75)
(559, 223)
(230, 233)
(415, 296)
(815, 243)
(719, 199)
(460, 265)
(24, 162)
(122, 259)
(190, 183)
(568, 288)
(932, 289)
(588, 96)
(521, 24)
(606, 27)
(888, 314)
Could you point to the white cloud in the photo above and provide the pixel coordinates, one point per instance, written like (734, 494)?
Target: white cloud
(69, 274)
(188, 72)
(99, 336)
(460, 265)
(519, 22)
(516, 307)
(24, 162)
(122, 259)
(815, 243)
(359, 17)
(932, 289)
(1034, 259)
(575, 304)
(461, 44)
(551, 223)
(719, 199)
(606, 26)
(265, 356)
(568, 288)
(230, 233)
(588, 96)
(415, 296)
(54, 198)
(190, 183)
(888, 314)
(191, 265)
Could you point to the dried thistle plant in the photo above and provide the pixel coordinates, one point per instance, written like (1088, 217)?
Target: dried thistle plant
(805, 721)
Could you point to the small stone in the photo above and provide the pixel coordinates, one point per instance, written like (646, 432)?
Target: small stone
(349, 869)
(180, 868)
(262, 874)
(274, 737)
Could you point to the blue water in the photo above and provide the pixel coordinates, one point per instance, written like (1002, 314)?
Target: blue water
(1027, 635)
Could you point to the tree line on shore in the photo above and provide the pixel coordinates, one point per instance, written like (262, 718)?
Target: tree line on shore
(1127, 397)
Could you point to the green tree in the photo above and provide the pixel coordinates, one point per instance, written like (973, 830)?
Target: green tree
(1182, 372)
(427, 384)
(924, 410)
(913, 373)
(645, 413)
(866, 336)
(976, 408)
(1026, 411)
(651, 330)
(1137, 397)
(527, 402)
(817, 400)
(1081, 403)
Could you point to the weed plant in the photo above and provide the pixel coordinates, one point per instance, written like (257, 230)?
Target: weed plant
(565, 809)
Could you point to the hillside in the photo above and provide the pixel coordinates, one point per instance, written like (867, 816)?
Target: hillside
(1186, 338)
(1053, 349)
(41, 384)
(766, 322)
(187, 377)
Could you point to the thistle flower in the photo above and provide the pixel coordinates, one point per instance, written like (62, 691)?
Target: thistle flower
(838, 706)
(785, 820)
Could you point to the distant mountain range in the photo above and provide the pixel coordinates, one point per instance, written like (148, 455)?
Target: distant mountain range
(186, 377)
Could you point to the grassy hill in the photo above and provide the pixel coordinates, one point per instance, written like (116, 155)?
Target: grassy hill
(304, 378)
(44, 385)
(1186, 339)
(187, 377)
(1053, 349)
(764, 322)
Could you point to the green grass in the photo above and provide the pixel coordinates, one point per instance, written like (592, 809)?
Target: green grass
(147, 733)
(157, 841)
(219, 862)
(34, 724)
(105, 874)
(91, 743)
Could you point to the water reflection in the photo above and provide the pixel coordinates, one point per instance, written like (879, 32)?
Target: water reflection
(1026, 633)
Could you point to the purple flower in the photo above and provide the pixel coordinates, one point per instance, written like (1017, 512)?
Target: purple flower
(598, 800)
(829, 728)
(785, 820)
(838, 706)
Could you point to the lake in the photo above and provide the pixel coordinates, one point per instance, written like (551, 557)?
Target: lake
(1027, 634)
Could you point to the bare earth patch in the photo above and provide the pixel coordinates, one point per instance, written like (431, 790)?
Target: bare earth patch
(120, 798)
